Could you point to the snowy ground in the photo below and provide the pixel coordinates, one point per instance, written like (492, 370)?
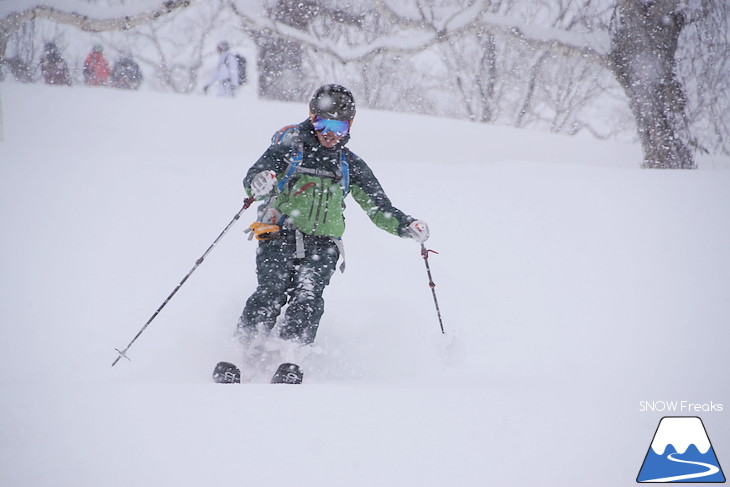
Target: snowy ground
(573, 286)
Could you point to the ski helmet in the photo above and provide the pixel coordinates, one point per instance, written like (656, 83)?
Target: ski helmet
(334, 102)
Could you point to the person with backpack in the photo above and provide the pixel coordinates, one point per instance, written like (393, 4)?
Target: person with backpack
(225, 74)
(302, 180)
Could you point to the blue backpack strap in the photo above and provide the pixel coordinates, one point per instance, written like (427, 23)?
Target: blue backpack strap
(345, 168)
(289, 136)
(295, 159)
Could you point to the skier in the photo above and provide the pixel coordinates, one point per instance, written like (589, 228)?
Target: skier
(225, 73)
(53, 66)
(303, 179)
(96, 67)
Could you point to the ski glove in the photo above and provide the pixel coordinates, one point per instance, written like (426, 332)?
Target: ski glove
(418, 231)
(263, 183)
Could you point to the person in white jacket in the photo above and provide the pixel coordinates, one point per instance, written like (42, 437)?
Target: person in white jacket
(225, 74)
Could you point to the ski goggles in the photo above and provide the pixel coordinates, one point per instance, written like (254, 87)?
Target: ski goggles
(337, 127)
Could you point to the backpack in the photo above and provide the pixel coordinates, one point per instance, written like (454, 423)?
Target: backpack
(289, 135)
(311, 199)
(241, 61)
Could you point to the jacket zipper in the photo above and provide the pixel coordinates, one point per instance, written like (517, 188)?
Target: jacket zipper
(326, 205)
(314, 199)
(322, 199)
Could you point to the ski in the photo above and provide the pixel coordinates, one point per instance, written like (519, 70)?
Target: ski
(286, 373)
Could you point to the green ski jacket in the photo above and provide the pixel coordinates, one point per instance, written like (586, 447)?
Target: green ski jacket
(311, 197)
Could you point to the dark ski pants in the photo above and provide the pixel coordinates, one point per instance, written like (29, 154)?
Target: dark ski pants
(284, 279)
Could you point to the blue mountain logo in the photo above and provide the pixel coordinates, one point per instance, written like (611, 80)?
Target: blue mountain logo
(681, 452)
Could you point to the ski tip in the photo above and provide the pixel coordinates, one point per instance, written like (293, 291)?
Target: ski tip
(288, 373)
(226, 373)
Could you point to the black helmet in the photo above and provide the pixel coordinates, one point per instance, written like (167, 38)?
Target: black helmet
(334, 102)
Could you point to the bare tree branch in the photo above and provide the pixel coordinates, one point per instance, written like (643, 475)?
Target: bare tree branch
(12, 22)
(417, 35)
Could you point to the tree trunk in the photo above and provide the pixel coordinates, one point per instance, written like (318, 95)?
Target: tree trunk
(280, 69)
(280, 60)
(642, 57)
(2, 123)
(487, 78)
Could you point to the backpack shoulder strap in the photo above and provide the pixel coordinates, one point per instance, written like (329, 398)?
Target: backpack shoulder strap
(345, 169)
(288, 136)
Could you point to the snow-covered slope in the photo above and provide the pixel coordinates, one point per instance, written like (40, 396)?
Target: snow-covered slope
(573, 286)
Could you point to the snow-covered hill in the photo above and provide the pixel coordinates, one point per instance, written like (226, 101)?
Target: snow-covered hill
(573, 286)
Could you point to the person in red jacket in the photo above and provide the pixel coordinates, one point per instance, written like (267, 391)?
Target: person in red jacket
(96, 68)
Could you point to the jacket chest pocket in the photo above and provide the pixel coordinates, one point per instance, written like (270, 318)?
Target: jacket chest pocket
(314, 205)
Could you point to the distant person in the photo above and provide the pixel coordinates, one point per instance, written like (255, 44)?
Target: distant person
(225, 74)
(20, 70)
(96, 68)
(126, 74)
(53, 66)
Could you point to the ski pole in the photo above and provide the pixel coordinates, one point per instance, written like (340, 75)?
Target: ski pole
(431, 284)
(123, 353)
